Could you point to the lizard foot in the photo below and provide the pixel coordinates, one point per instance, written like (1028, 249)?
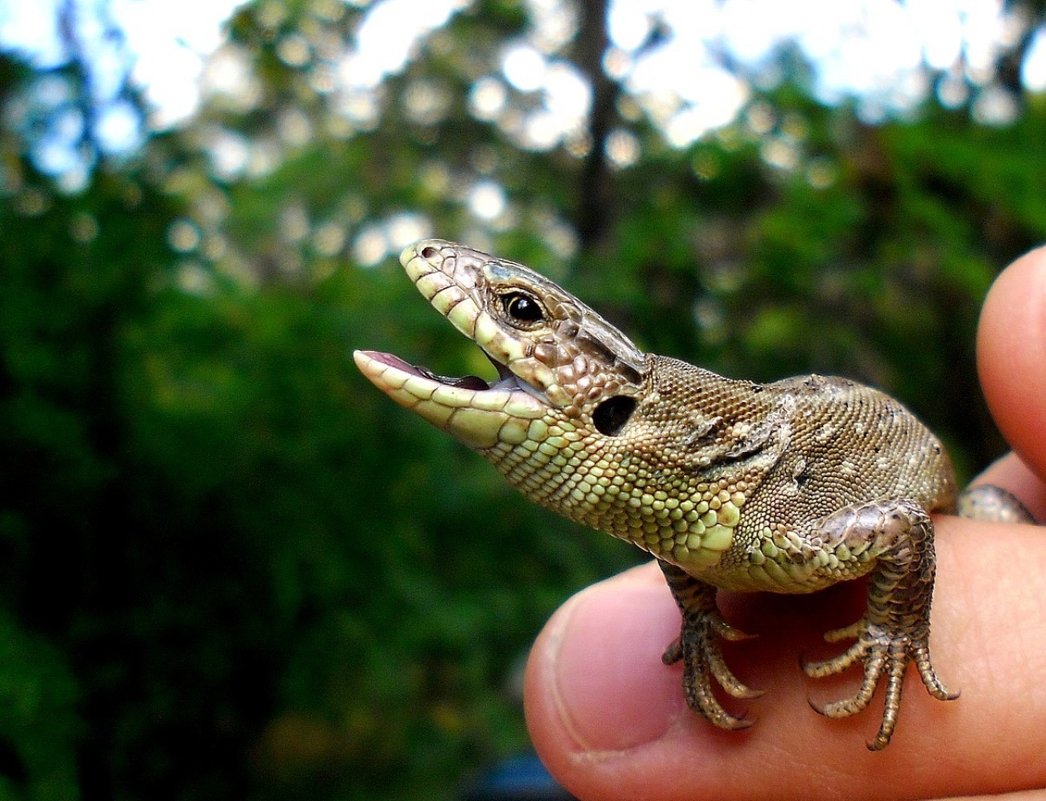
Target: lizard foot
(880, 652)
(698, 649)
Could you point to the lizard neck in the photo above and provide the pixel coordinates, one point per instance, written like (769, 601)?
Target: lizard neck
(673, 479)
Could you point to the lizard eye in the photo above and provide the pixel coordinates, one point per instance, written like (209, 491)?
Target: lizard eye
(611, 415)
(522, 308)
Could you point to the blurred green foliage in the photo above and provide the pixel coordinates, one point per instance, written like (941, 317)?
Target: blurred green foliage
(230, 568)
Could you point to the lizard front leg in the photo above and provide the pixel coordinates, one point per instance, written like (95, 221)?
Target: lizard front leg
(895, 628)
(698, 648)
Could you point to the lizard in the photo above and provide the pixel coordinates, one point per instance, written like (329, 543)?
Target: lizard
(785, 487)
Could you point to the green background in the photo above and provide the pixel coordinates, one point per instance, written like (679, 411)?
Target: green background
(230, 568)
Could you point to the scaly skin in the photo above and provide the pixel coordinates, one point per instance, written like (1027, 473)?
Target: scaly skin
(786, 487)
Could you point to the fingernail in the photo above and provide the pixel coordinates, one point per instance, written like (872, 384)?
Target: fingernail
(613, 691)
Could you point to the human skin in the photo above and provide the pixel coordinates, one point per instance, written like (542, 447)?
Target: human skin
(609, 719)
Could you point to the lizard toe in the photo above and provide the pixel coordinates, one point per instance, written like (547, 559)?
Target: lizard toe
(818, 669)
(725, 677)
(920, 654)
(673, 653)
(700, 697)
(728, 632)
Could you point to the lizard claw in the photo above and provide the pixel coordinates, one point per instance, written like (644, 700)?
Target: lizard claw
(820, 710)
(881, 653)
(673, 653)
(738, 723)
(717, 667)
(698, 648)
(697, 687)
(702, 661)
(728, 632)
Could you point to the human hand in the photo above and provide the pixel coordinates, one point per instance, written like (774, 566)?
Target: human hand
(610, 722)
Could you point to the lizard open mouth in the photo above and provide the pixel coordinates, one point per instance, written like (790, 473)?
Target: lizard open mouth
(506, 378)
(478, 412)
(475, 411)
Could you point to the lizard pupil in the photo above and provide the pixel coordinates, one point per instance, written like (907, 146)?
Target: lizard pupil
(611, 415)
(522, 308)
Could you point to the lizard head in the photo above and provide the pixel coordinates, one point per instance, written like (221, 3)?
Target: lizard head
(579, 419)
(559, 364)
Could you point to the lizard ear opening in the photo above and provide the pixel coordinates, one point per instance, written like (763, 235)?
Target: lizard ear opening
(610, 416)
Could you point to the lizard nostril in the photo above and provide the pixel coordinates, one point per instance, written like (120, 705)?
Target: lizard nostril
(428, 252)
(611, 415)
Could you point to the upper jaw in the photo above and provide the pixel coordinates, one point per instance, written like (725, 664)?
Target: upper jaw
(451, 277)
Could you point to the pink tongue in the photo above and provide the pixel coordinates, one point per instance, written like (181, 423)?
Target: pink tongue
(392, 361)
(466, 382)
